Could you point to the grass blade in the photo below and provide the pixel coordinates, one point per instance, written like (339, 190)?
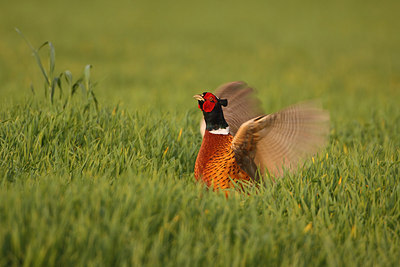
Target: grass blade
(86, 77)
(52, 59)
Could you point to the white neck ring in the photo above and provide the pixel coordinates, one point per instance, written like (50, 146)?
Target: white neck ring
(223, 131)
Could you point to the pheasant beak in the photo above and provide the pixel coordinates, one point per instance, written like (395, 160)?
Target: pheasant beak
(199, 97)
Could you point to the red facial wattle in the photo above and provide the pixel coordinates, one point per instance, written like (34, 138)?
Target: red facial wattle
(209, 103)
(208, 106)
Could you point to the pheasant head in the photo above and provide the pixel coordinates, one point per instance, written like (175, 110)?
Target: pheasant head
(212, 111)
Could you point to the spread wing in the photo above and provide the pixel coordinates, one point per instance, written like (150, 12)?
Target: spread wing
(281, 140)
(242, 105)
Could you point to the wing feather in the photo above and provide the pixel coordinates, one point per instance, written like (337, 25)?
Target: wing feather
(282, 140)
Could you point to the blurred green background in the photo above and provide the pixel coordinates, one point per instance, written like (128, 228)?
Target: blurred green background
(157, 54)
(116, 186)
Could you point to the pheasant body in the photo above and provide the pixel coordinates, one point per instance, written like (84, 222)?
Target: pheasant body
(216, 164)
(240, 143)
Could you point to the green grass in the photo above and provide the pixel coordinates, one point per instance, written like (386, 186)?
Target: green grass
(112, 183)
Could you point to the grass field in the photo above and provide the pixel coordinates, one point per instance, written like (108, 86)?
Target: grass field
(81, 186)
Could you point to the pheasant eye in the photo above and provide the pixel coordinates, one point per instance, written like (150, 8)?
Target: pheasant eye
(211, 99)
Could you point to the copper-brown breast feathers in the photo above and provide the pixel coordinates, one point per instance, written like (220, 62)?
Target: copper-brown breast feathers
(216, 164)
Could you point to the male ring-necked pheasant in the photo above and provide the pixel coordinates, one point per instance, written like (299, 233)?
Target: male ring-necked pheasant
(238, 139)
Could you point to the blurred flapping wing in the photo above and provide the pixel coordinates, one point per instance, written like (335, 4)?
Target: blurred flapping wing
(281, 140)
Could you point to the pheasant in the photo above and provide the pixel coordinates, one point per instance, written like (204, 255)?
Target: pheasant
(240, 143)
